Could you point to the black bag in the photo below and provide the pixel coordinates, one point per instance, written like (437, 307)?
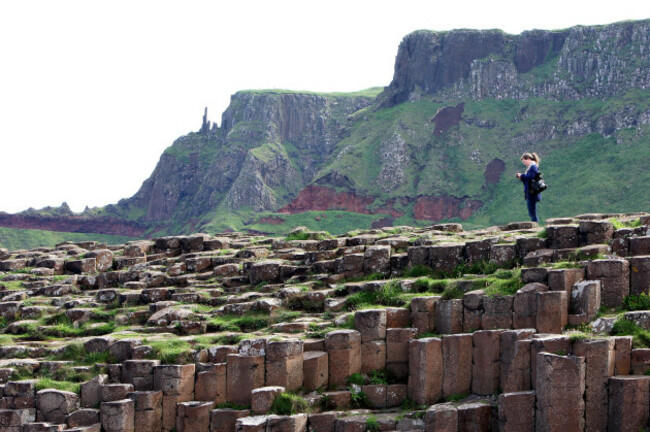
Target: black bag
(538, 185)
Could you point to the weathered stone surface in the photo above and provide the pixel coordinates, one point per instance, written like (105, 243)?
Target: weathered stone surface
(623, 354)
(479, 250)
(350, 265)
(170, 410)
(262, 398)
(552, 311)
(563, 236)
(640, 318)
(585, 301)
(457, 361)
(599, 358)
(83, 417)
(560, 386)
(91, 391)
(315, 370)
(640, 245)
(640, 361)
(376, 394)
(339, 399)
(174, 380)
(639, 274)
(376, 259)
(122, 350)
(485, 361)
(86, 265)
(292, 423)
(517, 411)
(210, 384)
(265, 271)
(47, 427)
(474, 417)
(219, 353)
(564, 279)
(396, 394)
(252, 347)
(244, 373)
(397, 344)
(539, 257)
(148, 420)
(224, 419)
(284, 364)
(344, 350)
(595, 232)
(373, 356)
(113, 392)
(418, 255)
(55, 405)
(251, 424)
(371, 323)
(525, 305)
(614, 276)
(503, 254)
(514, 368)
(147, 400)
(445, 257)
(425, 370)
(139, 373)
(448, 316)
(422, 313)
(397, 318)
(629, 403)
(525, 245)
(555, 344)
(497, 312)
(442, 417)
(118, 416)
(534, 274)
(103, 259)
(13, 420)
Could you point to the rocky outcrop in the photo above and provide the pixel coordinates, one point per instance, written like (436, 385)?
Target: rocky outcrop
(444, 207)
(267, 140)
(428, 62)
(425, 207)
(323, 198)
(73, 223)
(599, 61)
(433, 145)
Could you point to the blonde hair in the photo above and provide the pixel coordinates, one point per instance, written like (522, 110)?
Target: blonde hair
(532, 156)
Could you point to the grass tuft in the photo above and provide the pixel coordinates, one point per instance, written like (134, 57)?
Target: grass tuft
(289, 404)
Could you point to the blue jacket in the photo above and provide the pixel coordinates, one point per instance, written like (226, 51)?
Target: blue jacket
(527, 178)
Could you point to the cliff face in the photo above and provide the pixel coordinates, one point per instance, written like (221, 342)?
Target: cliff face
(269, 146)
(73, 223)
(579, 62)
(442, 141)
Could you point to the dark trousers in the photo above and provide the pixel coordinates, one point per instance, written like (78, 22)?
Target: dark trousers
(531, 203)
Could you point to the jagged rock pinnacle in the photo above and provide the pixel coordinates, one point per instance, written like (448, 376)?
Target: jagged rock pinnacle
(205, 126)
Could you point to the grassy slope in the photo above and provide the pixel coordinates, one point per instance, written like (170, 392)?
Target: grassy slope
(587, 174)
(14, 239)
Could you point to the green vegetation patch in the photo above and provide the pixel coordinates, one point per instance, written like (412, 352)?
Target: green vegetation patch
(635, 302)
(336, 222)
(389, 294)
(640, 337)
(289, 404)
(14, 238)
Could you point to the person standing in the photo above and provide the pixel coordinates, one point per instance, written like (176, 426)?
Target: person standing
(531, 160)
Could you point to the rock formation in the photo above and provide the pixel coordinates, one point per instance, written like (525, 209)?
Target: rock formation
(433, 145)
(510, 328)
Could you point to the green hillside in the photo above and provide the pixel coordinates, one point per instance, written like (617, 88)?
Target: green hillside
(586, 173)
(14, 239)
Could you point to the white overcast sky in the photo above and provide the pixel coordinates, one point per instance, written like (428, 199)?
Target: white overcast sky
(92, 92)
